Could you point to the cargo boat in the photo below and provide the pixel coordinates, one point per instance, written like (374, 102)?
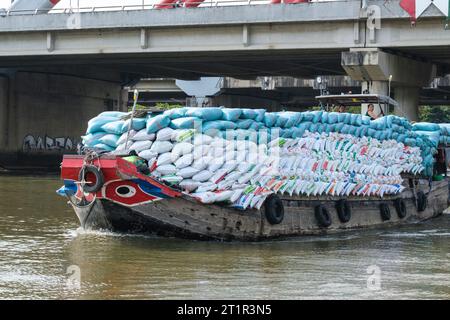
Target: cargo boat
(131, 202)
(108, 192)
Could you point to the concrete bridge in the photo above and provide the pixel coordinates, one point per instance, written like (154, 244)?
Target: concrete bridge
(117, 48)
(275, 92)
(238, 41)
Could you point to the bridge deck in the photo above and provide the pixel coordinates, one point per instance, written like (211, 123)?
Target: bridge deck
(238, 41)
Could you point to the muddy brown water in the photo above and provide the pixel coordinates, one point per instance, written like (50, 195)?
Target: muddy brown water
(45, 255)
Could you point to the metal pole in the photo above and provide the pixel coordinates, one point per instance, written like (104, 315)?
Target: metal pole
(390, 80)
(135, 98)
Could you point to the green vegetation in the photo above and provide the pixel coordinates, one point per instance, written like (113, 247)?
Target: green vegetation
(163, 106)
(354, 109)
(168, 106)
(138, 107)
(436, 114)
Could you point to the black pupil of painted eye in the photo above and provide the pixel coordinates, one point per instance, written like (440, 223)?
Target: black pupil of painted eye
(123, 190)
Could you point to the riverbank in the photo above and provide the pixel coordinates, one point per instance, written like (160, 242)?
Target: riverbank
(30, 172)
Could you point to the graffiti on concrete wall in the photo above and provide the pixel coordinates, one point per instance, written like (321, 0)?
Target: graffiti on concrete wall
(46, 143)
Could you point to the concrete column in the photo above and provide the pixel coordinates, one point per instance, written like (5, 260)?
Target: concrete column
(375, 87)
(408, 99)
(406, 74)
(123, 100)
(12, 112)
(45, 115)
(3, 109)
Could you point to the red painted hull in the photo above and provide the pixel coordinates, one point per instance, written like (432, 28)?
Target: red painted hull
(117, 174)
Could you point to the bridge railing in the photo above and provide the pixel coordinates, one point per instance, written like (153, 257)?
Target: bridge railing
(155, 6)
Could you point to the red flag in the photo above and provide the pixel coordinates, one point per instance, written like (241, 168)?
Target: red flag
(410, 7)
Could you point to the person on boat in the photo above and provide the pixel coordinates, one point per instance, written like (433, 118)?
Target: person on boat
(371, 113)
(341, 109)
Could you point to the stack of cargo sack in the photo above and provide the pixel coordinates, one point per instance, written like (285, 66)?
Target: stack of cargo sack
(445, 134)
(431, 138)
(240, 156)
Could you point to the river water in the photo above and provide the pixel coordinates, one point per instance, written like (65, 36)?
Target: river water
(44, 255)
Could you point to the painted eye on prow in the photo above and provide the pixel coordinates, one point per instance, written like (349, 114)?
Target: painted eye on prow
(125, 191)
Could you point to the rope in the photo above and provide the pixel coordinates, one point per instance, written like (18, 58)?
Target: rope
(135, 98)
(90, 156)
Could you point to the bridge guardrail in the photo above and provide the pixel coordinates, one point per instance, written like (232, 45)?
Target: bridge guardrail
(201, 4)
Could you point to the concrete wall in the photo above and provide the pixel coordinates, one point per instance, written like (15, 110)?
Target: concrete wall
(42, 116)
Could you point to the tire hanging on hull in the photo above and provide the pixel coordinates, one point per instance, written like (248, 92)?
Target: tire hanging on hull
(422, 201)
(274, 209)
(344, 210)
(400, 207)
(385, 212)
(84, 176)
(322, 216)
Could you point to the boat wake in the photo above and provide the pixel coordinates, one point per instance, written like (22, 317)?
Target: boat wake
(420, 234)
(81, 232)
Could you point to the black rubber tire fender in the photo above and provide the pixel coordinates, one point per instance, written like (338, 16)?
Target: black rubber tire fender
(385, 212)
(344, 210)
(400, 207)
(322, 216)
(274, 209)
(422, 201)
(99, 179)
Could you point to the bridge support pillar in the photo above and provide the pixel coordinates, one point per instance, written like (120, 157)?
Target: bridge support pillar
(42, 116)
(408, 99)
(378, 68)
(3, 109)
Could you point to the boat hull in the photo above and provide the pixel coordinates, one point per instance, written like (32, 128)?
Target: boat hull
(184, 218)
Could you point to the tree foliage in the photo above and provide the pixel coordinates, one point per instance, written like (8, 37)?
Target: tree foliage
(436, 114)
(163, 106)
(168, 106)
